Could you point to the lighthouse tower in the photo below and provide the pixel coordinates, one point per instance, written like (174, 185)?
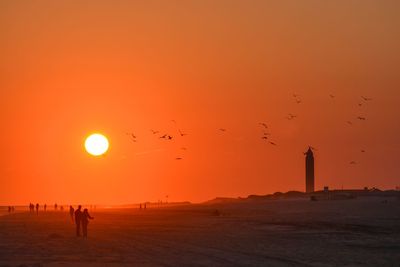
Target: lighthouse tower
(309, 171)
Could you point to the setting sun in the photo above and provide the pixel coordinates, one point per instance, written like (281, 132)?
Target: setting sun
(96, 144)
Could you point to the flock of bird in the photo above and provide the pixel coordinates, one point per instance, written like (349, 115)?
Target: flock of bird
(266, 134)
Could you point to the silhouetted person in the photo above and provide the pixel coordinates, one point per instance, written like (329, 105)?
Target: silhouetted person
(9, 209)
(85, 221)
(37, 208)
(61, 208)
(78, 219)
(55, 206)
(71, 212)
(45, 207)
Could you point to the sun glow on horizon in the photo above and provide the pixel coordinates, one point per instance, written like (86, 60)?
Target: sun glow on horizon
(96, 144)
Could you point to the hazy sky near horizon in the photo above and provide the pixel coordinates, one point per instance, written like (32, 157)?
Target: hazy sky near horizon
(70, 68)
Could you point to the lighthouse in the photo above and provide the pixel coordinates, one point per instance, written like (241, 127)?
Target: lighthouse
(309, 171)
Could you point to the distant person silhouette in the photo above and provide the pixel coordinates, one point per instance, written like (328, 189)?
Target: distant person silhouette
(71, 212)
(37, 208)
(9, 209)
(78, 220)
(62, 208)
(55, 206)
(45, 207)
(85, 221)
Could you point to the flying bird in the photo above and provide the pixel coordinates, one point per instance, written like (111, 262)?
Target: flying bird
(360, 104)
(361, 118)
(272, 143)
(222, 129)
(291, 116)
(362, 151)
(332, 96)
(297, 99)
(154, 132)
(353, 162)
(182, 134)
(349, 122)
(264, 137)
(366, 98)
(178, 158)
(263, 124)
(133, 136)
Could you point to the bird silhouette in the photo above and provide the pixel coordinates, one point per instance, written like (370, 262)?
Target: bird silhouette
(349, 122)
(132, 136)
(272, 143)
(366, 98)
(264, 137)
(263, 124)
(362, 151)
(183, 148)
(182, 134)
(297, 98)
(361, 118)
(154, 132)
(360, 104)
(353, 162)
(332, 96)
(222, 129)
(291, 116)
(178, 158)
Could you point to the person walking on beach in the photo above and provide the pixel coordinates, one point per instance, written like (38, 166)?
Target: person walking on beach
(78, 220)
(37, 208)
(45, 207)
(71, 212)
(85, 221)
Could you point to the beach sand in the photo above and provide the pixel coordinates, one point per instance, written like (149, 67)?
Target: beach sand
(359, 232)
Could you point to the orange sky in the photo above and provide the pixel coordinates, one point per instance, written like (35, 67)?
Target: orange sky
(69, 68)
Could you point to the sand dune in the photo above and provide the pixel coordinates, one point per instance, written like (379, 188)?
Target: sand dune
(360, 232)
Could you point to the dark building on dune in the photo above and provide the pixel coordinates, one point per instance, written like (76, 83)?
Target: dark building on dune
(309, 171)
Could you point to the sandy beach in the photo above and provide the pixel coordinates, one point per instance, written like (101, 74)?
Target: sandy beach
(359, 232)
